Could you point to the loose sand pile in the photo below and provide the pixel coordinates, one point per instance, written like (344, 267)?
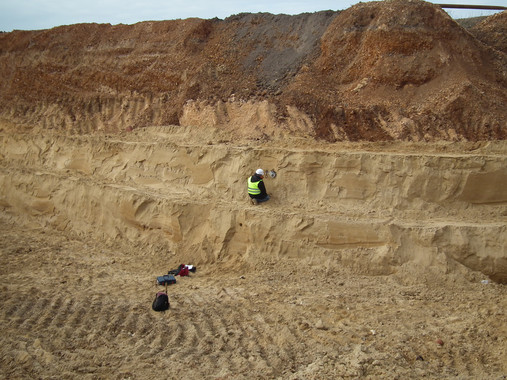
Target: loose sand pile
(124, 152)
(376, 71)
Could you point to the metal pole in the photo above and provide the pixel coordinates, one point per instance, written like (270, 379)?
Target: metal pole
(462, 6)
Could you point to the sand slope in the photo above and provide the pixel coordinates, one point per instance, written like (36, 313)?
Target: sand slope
(366, 256)
(161, 189)
(72, 307)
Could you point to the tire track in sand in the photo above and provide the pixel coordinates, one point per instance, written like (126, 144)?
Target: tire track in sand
(83, 327)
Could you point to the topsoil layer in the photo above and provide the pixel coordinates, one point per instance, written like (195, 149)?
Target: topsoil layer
(376, 71)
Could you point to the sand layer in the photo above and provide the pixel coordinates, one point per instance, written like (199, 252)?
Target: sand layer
(366, 255)
(72, 307)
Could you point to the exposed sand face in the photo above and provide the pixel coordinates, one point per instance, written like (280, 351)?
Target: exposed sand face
(174, 190)
(366, 255)
(72, 307)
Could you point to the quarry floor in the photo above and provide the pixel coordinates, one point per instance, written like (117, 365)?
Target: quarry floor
(74, 307)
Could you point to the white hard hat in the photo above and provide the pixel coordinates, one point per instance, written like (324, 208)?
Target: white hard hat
(259, 172)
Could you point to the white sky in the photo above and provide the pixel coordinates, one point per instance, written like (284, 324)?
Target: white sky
(44, 14)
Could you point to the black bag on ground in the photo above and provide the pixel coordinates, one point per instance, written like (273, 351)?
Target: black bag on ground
(161, 302)
(166, 279)
(176, 272)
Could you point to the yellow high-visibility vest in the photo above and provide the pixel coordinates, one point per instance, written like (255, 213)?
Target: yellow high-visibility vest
(253, 187)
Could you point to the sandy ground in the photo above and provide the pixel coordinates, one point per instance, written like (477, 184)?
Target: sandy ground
(72, 307)
(361, 280)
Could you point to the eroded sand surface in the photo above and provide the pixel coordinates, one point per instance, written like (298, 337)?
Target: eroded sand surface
(74, 308)
(366, 256)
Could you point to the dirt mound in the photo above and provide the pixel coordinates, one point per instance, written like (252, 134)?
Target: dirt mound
(402, 71)
(493, 31)
(377, 71)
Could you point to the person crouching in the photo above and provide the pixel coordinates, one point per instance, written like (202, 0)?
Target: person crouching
(256, 188)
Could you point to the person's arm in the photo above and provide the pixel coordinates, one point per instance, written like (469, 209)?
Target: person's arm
(262, 188)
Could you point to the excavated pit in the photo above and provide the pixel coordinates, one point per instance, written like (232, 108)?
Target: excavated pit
(124, 152)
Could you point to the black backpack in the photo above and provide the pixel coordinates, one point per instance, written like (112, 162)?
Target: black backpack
(161, 302)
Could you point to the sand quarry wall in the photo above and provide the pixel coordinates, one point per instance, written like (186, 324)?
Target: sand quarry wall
(86, 150)
(373, 210)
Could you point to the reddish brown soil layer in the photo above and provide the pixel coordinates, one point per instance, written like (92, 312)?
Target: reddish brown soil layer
(376, 71)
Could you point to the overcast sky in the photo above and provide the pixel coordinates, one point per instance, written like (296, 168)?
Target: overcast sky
(44, 14)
